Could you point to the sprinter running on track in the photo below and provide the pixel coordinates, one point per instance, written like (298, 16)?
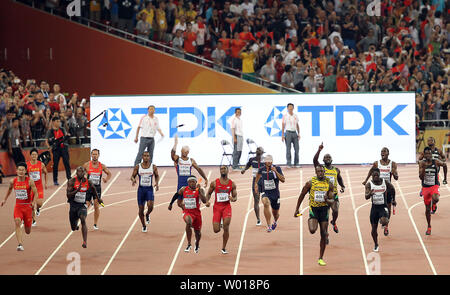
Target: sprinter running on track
(256, 163)
(224, 191)
(95, 171)
(24, 189)
(36, 169)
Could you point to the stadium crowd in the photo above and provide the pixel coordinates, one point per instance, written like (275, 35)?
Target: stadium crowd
(26, 112)
(308, 45)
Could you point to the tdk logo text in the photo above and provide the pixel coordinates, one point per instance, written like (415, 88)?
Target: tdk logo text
(377, 119)
(208, 121)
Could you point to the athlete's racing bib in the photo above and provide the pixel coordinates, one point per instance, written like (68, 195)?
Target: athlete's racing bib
(222, 197)
(269, 184)
(21, 194)
(429, 179)
(146, 180)
(35, 175)
(378, 199)
(190, 203)
(319, 196)
(184, 170)
(80, 197)
(95, 178)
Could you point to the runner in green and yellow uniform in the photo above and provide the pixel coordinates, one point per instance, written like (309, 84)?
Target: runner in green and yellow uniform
(334, 175)
(321, 196)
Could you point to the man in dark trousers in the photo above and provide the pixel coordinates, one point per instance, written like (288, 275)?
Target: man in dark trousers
(56, 138)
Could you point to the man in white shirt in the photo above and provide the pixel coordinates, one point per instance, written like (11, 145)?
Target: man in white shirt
(290, 134)
(237, 135)
(149, 125)
(247, 6)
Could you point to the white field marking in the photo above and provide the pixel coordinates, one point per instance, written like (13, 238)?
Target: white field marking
(244, 226)
(301, 227)
(70, 233)
(43, 209)
(417, 231)
(355, 214)
(128, 233)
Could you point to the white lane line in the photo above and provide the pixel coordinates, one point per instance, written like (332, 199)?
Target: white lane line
(301, 227)
(70, 233)
(355, 214)
(43, 209)
(128, 233)
(244, 227)
(415, 228)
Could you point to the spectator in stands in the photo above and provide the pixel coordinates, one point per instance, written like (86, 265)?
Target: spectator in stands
(115, 13)
(171, 12)
(248, 61)
(95, 10)
(199, 28)
(268, 72)
(236, 46)
(181, 25)
(190, 13)
(106, 10)
(142, 28)
(125, 13)
(78, 124)
(44, 89)
(38, 125)
(330, 80)
(287, 79)
(215, 27)
(14, 144)
(25, 126)
(177, 44)
(218, 56)
(59, 97)
(161, 21)
(190, 44)
(226, 45)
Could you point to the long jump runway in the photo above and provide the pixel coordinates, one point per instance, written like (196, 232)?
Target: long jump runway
(119, 246)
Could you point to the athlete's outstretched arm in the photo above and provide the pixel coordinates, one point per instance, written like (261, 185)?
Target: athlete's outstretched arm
(247, 166)
(108, 173)
(200, 171)
(394, 170)
(202, 196)
(10, 188)
(316, 156)
(375, 165)
(369, 191)
(303, 193)
(258, 177)
(44, 171)
(212, 187)
(233, 193)
(156, 173)
(340, 180)
(133, 176)
(173, 151)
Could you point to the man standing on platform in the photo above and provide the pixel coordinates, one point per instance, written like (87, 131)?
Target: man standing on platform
(237, 135)
(149, 125)
(290, 134)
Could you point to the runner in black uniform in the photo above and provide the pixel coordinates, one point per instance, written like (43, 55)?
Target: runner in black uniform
(271, 176)
(376, 190)
(256, 163)
(429, 175)
(77, 189)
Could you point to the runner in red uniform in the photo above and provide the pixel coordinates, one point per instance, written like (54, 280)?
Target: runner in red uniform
(24, 189)
(191, 210)
(429, 174)
(95, 171)
(225, 191)
(35, 170)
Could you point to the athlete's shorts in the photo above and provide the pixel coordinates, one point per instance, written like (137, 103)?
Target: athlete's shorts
(144, 195)
(221, 212)
(25, 213)
(89, 196)
(260, 188)
(377, 212)
(274, 198)
(75, 212)
(319, 213)
(196, 219)
(428, 193)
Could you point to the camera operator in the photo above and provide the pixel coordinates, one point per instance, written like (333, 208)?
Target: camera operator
(57, 138)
